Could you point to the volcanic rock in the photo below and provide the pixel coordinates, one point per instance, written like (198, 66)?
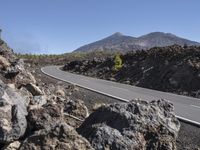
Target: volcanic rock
(171, 69)
(75, 112)
(24, 77)
(33, 89)
(12, 114)
(4, 63)
(134, 125)
(60, 91)
(44, 117)
(6, 52)
(76, 108)
(12, 146)
(26, 94)
(39, 100)
(59, 137)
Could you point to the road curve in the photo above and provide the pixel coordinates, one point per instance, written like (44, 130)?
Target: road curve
(186, 108)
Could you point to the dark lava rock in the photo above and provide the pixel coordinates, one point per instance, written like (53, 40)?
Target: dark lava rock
(134, 125)
(76, 108)
(33, 89)
(12, 114)
(6, 51)
(171, 69)
(44, 117)
(59, 137)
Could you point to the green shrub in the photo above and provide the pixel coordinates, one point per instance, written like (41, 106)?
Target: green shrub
(118, 62)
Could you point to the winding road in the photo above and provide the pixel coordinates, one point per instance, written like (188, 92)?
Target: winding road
(186, 108)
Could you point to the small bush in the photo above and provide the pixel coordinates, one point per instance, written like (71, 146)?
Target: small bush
(118, 62)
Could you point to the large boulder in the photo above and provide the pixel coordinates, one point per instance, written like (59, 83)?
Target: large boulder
(76, 108)
(26, 94)
(59, 137)
(60, 91)
(12, 146)
(7, 61)
(4, 63)
(33, 89)
(19, 73)
(75, 112)
(6, 51)
(12, 114)
(44, 117)
(24, 77)
(54, 111)
(134, 125)
(39, 100)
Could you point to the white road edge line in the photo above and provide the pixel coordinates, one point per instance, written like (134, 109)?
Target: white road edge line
(195, 106)
(120, 99)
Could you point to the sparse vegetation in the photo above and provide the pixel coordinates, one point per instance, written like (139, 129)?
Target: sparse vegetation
(44, 59)
(118, 62)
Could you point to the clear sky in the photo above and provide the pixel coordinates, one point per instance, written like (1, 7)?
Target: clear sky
(59, 26)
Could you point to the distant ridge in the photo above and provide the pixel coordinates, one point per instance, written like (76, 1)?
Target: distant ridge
(120, 42)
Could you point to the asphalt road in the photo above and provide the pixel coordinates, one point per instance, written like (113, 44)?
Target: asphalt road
(186, 108)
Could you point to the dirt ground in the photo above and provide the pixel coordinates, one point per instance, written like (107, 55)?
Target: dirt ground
(189, 135)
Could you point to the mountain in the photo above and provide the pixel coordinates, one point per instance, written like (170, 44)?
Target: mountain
(120, 42)
(160, 39)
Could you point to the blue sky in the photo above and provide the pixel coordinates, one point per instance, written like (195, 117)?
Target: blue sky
(59, 26)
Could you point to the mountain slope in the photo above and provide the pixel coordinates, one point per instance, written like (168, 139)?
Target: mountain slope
(161, 39)
(115, 42)
(120, 42)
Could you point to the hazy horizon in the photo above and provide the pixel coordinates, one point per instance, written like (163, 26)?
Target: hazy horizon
(58, 27)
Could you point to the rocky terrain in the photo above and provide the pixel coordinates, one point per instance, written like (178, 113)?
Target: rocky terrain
(123, 43)
(173, 69)
(44, 60)
(129, 126)
(40, 114)
(188, 137)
